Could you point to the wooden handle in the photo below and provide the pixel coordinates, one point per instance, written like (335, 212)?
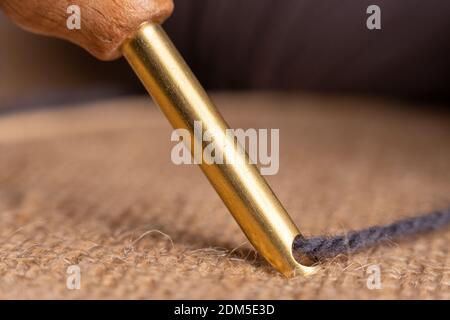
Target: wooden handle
(104, 24)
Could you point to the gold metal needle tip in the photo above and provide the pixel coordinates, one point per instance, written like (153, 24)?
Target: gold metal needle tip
(244, 191)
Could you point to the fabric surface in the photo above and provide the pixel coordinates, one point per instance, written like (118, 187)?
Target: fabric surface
(94, 186)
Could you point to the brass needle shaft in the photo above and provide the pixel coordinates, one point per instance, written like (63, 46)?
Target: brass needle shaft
(243, 190)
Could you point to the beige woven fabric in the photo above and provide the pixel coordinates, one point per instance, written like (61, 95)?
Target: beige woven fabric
(95, 186)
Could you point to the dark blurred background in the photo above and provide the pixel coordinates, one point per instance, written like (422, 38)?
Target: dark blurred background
(308, 45)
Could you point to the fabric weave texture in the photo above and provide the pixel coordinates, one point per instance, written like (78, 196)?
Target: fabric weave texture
(94, 186)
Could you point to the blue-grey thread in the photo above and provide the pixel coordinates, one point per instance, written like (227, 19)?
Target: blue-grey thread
(323, 247)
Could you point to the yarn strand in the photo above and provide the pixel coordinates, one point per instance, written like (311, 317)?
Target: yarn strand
(322, 247)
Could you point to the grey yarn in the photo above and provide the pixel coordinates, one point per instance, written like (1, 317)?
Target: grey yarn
(327, 247)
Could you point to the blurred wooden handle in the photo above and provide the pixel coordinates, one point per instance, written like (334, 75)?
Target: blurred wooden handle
(105, 24)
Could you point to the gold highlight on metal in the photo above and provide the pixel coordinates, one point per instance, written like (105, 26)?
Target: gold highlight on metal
(243, 190)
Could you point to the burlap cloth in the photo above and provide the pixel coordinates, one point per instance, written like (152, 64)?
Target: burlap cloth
(95, 186)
